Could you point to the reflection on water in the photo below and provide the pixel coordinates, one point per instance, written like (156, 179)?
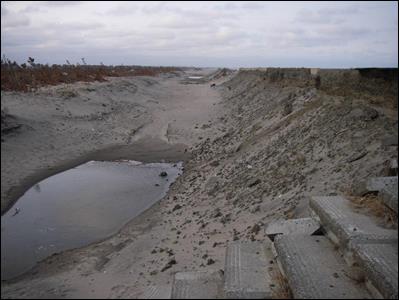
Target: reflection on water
(78, 207)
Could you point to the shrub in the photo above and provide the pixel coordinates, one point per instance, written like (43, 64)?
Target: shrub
(25, 77)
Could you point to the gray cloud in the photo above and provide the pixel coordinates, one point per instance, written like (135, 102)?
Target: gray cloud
(10, 20)
(59, 3)
(202, 33)
(4, 11)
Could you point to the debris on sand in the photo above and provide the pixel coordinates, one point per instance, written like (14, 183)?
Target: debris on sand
(169, 265)
(176, 207)
(17, 210)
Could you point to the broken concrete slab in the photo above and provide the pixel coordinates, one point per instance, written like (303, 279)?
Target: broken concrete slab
(342, 225)
(157, 292)
(307, 226)
(198, 285)
(314, 268)
(380, 265)
(374, 184)
(389, 195)
(247, 270)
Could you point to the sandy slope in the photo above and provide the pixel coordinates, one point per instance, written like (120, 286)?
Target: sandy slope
(273, 139)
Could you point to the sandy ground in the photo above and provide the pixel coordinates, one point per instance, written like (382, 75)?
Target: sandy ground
(258, 147)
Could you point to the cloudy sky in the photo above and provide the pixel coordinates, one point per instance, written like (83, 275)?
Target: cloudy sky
(218, 33)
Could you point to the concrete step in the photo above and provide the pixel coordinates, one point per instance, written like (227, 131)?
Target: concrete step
(198, 285)
(374, 184)
(157, 292)
(247, 270)
(344, 226)
(306, 226)
(389, 195)
(314, 268)
(380, 265)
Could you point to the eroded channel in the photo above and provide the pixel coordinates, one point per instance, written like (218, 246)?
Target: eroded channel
(78, 207)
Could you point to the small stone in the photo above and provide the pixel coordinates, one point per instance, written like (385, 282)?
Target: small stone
(177, 206)
(169, 264)
(214, 163)
(255, 229)
(254, 182)
(163, 174)
(210, 262)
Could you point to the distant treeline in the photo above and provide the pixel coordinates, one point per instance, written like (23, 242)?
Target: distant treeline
(30, 75)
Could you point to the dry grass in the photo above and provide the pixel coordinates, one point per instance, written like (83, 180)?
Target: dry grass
(282, 289)
(15, 77)
(373, 205)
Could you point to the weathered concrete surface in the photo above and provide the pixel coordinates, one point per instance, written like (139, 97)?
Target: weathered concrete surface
(342, 225)
(198, 285)
(375, 184)
(246, 270)
(314, 269)
(295, 226)
(158, 292)
(380, 263)
(389, 195)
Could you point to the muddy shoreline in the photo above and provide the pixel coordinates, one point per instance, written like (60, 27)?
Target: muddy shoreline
(142, 150)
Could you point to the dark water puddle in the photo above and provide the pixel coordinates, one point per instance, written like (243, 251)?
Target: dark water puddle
(78, 207)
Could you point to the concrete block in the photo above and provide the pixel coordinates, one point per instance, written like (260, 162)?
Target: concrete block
(344, 226)
(389, 195)
(315, 269)
(380, 265)
(374, 184)
(157, 292)
(306, 226)
(198, 285)
(247, 270)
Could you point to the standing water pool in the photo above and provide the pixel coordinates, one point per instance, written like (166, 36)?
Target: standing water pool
(78, 207)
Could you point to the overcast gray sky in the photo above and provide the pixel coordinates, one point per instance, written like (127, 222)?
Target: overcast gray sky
(231, 34)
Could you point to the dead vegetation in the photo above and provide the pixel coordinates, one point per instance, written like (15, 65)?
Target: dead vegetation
(373, 205)
(282, 289)
(30, 76)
